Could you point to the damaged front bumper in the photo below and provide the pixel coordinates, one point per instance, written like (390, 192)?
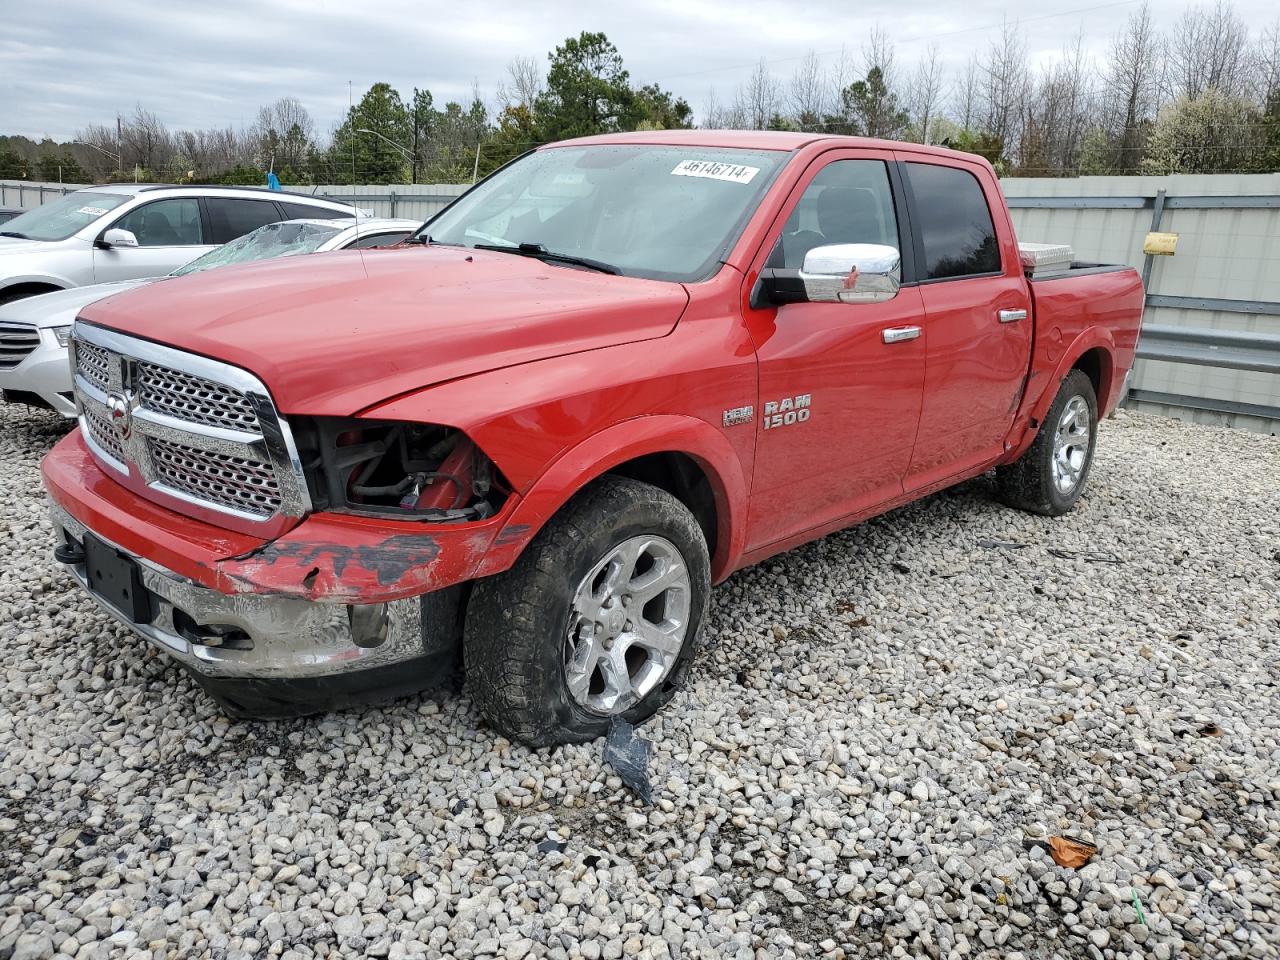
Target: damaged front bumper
(334, 611)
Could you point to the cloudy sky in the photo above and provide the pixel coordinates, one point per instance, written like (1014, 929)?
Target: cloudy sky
(67, 64)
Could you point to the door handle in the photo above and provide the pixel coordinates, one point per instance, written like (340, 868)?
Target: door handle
(899, 334)
(1011, 316)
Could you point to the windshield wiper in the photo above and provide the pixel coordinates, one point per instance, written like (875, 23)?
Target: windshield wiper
(539, 252)
(15, 234)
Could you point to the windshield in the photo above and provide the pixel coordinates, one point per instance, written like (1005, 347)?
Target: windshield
(61, 218)
(287, 239)
(665, 212)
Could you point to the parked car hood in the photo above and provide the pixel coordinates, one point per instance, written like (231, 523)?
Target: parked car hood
(61, 307)
(333, 334)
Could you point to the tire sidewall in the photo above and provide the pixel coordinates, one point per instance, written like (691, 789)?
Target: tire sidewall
(1075, 385)
(601, 535)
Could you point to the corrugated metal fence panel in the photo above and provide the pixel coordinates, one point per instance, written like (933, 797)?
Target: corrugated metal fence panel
(1223, 252)
(413, 201)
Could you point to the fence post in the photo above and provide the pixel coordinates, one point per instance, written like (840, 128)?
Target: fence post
(1157, 215)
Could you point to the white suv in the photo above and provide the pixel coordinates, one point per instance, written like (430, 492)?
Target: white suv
(124, 231)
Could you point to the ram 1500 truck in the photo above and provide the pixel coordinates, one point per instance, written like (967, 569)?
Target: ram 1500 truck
(611, 374)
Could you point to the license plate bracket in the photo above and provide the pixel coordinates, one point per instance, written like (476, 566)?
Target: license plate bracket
(115, 577)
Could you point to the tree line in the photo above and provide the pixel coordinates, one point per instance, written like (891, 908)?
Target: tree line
(1201, 95)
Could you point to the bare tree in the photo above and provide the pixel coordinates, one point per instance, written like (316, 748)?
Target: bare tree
(1004, 84)
(758, 98)
(925, 92)
(1209, 48)
(1267, 60)
(878, 53)
(1131, 88)
(1057, 115)
(145, 140)
(808, 94)
(523, 85)
(283, 133)
(968, 95)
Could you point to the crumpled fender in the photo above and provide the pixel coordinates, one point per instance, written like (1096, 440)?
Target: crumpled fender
(617, 444)
(1053, 362)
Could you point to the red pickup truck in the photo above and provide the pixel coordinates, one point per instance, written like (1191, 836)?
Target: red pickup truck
(532, 438)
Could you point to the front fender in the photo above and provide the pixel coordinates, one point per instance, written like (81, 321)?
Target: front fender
(615, 445)
(18, 279)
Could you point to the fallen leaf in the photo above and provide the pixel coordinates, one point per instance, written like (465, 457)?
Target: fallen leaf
(1070, 852)
(1211, 730)
(860, 622)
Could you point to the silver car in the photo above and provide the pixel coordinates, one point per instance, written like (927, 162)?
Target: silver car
(125, 231)
(34, 368)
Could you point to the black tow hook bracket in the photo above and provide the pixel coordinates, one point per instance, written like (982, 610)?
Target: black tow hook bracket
(70, 553)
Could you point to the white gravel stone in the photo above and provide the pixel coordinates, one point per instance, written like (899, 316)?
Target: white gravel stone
(881, 734)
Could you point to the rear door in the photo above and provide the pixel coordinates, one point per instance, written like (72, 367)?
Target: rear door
(838, 405)
(977, 316)
(170, 233)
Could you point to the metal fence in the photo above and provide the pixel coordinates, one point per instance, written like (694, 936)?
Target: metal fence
(1210, 349)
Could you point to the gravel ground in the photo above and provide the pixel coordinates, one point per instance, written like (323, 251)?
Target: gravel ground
(882, 732)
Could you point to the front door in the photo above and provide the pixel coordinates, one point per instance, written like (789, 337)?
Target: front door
(838, 401)
(169, 233)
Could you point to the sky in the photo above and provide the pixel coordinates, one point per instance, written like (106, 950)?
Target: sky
(72, 63)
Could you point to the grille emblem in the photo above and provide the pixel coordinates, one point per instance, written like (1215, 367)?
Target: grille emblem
(121, 417)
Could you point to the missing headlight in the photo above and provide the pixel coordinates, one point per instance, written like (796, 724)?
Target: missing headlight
(396, 469)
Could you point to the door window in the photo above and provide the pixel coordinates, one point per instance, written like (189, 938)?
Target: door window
(955, 222)
(304, 211)
(164, 223)
(849, 201)
(230, 218)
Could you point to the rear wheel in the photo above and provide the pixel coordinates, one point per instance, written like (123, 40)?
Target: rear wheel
(598, 618)
(1051, 475)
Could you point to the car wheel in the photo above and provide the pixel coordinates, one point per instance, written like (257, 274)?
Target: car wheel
(598, 618)
(1051, 475)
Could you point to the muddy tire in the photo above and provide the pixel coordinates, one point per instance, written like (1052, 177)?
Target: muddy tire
(1051, 475)
(599, 617)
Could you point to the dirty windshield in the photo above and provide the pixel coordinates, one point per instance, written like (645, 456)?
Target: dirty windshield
(63, 217)
(287, 239)
(665, 212)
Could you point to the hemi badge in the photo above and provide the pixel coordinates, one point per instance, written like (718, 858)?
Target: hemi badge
(738, 415)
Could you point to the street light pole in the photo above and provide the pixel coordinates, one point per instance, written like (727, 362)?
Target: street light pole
(118, 158)
(407, 155)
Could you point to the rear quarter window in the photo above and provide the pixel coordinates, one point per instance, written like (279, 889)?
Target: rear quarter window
(954, 222)
(305, 211)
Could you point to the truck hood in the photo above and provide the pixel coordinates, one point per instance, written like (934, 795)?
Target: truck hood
(333, 334)
(61, 307)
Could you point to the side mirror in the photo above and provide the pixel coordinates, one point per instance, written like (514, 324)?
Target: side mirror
(117, 238)
(851, 273)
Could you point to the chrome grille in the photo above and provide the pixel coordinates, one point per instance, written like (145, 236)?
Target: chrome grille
(16, 341)
(199, 436)
(194, 399)
(103, 435)
(236, 482)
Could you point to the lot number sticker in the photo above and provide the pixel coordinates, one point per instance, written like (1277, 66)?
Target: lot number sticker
(92, 211)
(715, 170)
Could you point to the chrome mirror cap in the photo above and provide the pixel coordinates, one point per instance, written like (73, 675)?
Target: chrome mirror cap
(851, 273)
(119, 238)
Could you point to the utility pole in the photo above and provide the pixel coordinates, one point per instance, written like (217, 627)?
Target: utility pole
(119, 149)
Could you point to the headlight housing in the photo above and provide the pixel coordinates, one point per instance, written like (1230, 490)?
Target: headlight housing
(396, 469)
(62, 334)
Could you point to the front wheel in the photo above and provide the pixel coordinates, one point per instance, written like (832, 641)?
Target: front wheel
(1051, 475)
(598, 618)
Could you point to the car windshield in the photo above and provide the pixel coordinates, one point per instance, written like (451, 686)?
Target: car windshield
(61, 218)
(286, 239)
(664, 212)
